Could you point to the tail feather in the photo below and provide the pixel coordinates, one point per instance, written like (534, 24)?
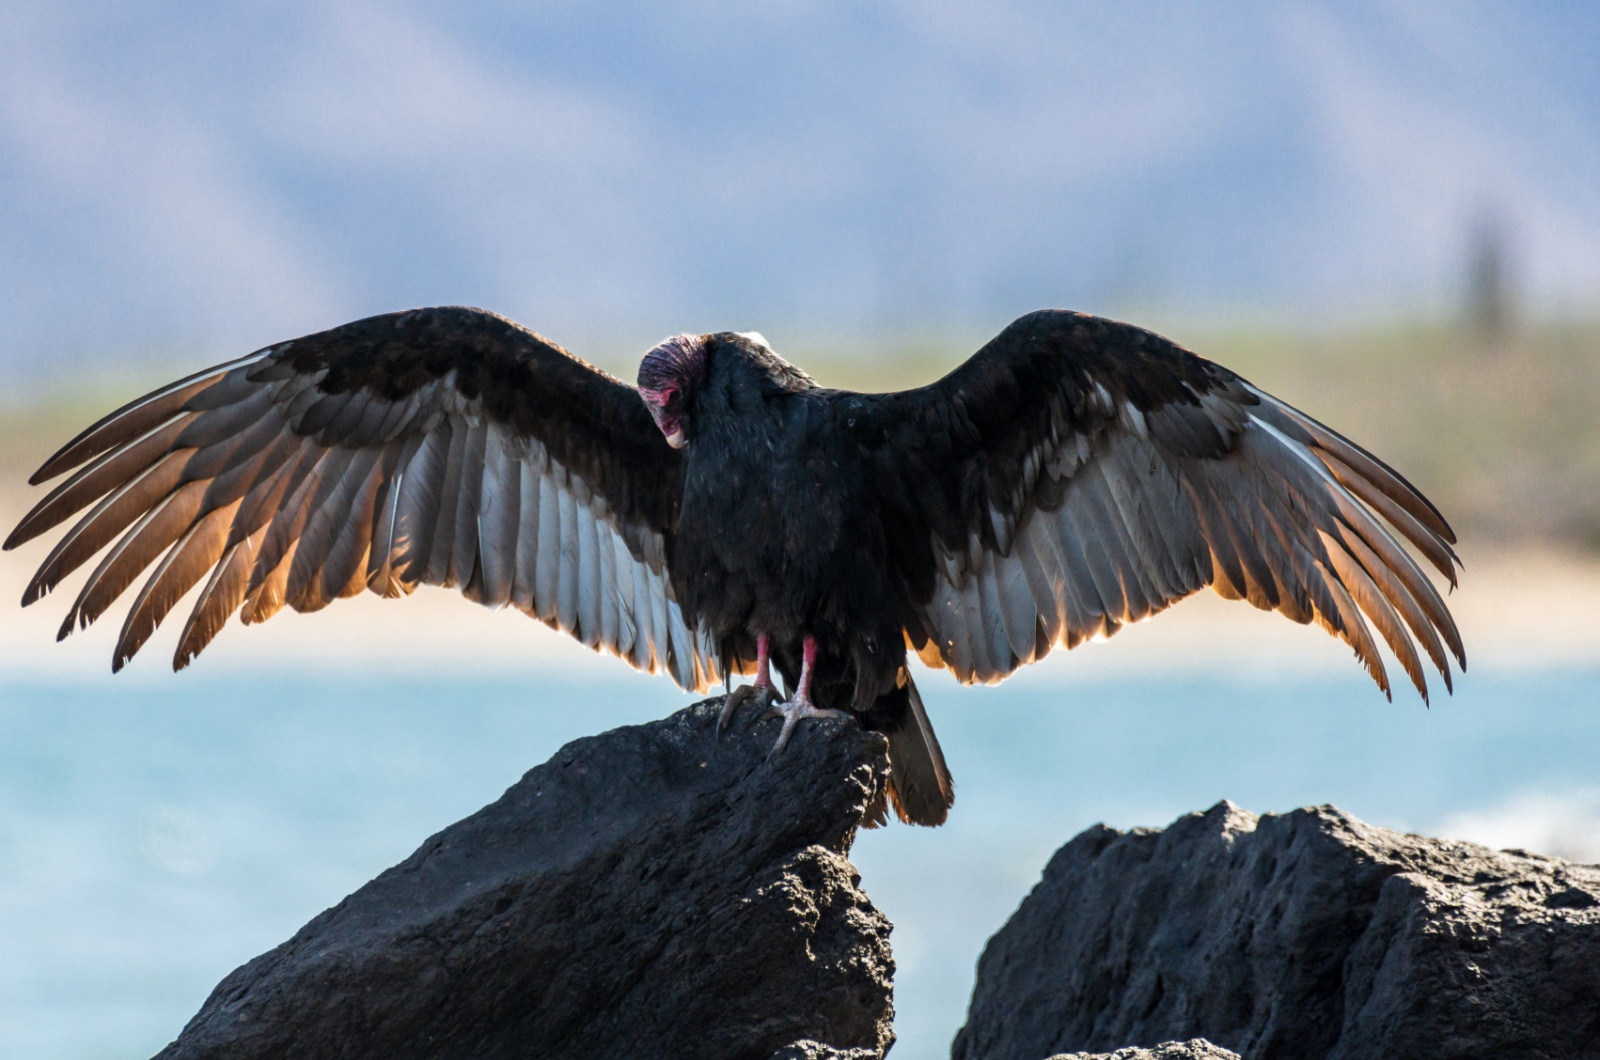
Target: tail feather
(920, 787)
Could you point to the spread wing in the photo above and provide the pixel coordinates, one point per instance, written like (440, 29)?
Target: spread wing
(441, 446)
(1077, 474)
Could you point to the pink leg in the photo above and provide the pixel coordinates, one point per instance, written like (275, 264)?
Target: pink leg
(808, 659)
(760, 689)
(763, 661)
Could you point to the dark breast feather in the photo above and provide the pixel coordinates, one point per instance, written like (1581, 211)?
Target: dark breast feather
(1078, 474)
(443, 446)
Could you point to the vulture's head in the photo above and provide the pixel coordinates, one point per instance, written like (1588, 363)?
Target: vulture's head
(669, 376)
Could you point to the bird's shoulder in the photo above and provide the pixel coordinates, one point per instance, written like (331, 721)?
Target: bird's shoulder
(514, 374)
(1087, 362)
(743, 359)
(1055, 374)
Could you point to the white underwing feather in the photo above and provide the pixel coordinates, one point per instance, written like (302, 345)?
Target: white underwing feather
(570, 552)
(549, 566)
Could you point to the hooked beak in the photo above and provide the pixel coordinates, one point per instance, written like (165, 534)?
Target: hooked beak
(670, 426)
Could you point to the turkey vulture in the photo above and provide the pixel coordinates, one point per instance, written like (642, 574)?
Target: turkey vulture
(729, 516)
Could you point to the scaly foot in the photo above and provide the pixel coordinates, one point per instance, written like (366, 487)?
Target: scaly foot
(764, 694)
(799, 705)
(791, 711)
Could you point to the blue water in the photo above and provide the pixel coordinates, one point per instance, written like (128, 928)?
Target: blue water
(156, 833)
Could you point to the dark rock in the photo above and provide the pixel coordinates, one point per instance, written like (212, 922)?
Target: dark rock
(650, 892)
(1194, 1049)
(1303, 936)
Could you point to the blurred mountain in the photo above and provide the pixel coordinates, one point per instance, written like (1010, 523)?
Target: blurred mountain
(222, 176)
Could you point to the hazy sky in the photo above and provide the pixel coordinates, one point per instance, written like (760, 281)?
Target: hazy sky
(203, 175)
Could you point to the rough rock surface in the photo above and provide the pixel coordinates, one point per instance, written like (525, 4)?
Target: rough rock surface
(1194, 1049)
(1303, 936)
(652, 891)
(809, 1050)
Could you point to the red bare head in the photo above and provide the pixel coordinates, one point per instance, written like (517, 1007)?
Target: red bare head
(668, 377)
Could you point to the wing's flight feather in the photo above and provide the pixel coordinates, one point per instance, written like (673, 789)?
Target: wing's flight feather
(138, 416)
(445, 446)
(149, 538)
(1077, 475)
(185, 564)
(221, 597)
(107, 472)
(498, 512)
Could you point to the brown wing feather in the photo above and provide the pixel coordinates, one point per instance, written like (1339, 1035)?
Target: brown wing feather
(428, 447)
(1087, 474)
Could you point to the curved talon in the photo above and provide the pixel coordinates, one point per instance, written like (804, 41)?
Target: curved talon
(737, 698)
(791, 711)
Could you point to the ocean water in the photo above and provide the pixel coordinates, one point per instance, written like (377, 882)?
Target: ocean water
(155, 833)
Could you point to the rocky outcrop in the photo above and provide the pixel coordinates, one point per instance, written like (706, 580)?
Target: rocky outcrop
(1194, 1049)
(653, 891)
(1303, 936)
